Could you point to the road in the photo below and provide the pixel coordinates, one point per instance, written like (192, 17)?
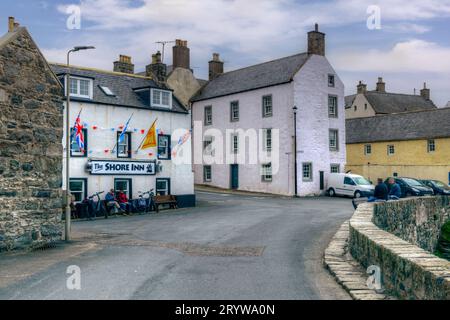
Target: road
(228, 247)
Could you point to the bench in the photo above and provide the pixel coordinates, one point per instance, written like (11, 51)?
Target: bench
(161, 200)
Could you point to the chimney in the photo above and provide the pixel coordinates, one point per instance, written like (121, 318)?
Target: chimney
(124, 65)
(425, 92)
(215, 67)
(157, 69)
(361, 87)
(181, 55)
(381, 86)
(316, 42)
(12, 24)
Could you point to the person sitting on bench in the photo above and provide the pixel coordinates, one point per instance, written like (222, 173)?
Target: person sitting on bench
(123, 202)
(111, 201)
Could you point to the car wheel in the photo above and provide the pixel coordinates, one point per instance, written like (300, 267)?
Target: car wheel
(331, 192)
(358, 194)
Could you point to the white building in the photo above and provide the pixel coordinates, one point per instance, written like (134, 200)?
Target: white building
(106, 101)
(262, 97)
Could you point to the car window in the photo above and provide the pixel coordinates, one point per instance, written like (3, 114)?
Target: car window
(441, 185)
(362, 181)
(412, 182)
(349, 181)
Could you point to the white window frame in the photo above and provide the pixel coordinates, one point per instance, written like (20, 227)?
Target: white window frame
(336, 146)
(154, 92)
(335, 166)
(331, 85)
(431, 145)
(234, 108)
(208, 116)
(309, 165)
(334, 113)
(207, 173)
(207, 145)
(367, 149)
(77, 80)
(128, 182)
(266, 172)
(267, 139)
(265, 105)
(83, 188)
(389, 150)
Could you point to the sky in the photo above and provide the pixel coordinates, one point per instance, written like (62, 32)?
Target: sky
(409, 46)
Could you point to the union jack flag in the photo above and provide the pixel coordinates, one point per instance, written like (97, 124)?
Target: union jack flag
(78, 133)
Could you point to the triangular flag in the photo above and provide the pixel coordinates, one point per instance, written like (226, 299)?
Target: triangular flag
(150, 138)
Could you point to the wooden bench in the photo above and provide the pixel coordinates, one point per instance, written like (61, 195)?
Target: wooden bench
(161, 200)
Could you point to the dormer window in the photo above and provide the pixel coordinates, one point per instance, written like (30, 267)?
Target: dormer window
(81, 87)
(161, 98)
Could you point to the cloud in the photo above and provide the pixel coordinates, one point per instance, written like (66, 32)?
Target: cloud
(410, 56)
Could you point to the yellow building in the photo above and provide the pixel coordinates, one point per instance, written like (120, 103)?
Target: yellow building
(413, 144)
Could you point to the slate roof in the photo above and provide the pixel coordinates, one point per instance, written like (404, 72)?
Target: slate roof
(429, 124)
(386, 102)
(122, 86)
(254, 77)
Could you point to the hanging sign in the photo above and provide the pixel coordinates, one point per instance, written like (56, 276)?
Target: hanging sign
(129, 168)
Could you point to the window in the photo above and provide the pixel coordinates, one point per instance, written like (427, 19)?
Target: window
(161, 98)
(332, 106)
(355, 107)
(163, 186)
(121, 184)
(107, 91)
(207, 146)
(267, 136)
(266, 174)
(208, 115)
(331, 80)
(390, 150)
(207, 174)
(81, 88)
(349, 181)
(335, 168)
(235, 143)
(234, 110)
(431, 145)
(75, 150)
(124, 146)
(365, 106)
(267, 106)
(368, 149)
(164, 147)
(307, 171)
(78, 188)
(334, 137)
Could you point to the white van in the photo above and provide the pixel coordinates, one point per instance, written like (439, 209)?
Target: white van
(347, 184)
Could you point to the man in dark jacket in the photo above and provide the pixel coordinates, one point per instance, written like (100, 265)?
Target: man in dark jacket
(381, 190)
(395, 192)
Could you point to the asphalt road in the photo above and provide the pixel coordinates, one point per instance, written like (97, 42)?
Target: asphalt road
(228, 247)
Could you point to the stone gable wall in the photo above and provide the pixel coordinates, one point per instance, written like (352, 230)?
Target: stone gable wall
(31, 129)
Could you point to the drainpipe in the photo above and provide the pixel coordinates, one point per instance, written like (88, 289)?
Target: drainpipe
(295, 152)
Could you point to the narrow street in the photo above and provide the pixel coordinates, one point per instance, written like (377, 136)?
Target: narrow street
(228, 247)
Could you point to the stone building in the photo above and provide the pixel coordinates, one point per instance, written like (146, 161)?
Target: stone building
(262, 98)
(369, 103)
(31, 130)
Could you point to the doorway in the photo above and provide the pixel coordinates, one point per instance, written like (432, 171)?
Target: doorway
(234, 176)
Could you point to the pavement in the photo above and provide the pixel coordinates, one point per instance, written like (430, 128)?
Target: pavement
(230, 246)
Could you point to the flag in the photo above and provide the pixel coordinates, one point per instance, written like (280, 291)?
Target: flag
(150, 138)
(124, 131)
(77, 133)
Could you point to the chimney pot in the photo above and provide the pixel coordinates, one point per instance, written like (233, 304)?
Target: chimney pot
(11, 24)
(316, 42)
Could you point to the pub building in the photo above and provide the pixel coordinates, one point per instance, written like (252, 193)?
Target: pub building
(108, 103)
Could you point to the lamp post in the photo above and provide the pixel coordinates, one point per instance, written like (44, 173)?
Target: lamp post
(295, 151)
(68, 142)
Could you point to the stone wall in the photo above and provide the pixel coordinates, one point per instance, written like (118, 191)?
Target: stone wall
(407, 271)
(31, 128)
(418, 220)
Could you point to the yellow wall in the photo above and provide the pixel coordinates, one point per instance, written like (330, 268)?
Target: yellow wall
(411, 159)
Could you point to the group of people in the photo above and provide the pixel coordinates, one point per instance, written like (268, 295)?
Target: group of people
(384, 192)
(119, 203)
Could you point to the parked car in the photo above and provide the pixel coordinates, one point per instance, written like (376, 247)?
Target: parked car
(412, 187)
(437, 186)
(347, 184)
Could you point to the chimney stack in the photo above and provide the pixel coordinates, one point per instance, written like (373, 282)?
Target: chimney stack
(361, 87)
(215, 67)
(157, 69)
(381, 86)
(181, 55)
(12, 24)
(124, 65)
(316, 42)
(425, 92)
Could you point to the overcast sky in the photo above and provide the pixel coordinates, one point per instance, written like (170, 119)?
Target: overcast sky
(412, 46)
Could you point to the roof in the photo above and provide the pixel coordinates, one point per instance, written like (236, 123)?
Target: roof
(429, 124)
(258, 76)
(121, 84)
(386, 102)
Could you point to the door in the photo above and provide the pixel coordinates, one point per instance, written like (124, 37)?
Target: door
(349, 186)
(234, 176)
(322, 180)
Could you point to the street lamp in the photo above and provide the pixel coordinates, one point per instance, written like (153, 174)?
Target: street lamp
(68, 142)
(295, 150)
